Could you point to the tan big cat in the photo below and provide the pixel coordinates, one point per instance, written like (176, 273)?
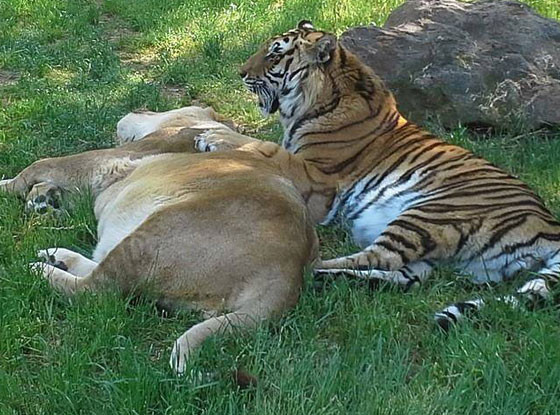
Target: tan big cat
(226, 233)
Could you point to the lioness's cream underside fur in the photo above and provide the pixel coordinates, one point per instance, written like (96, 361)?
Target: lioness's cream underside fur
(226, 233)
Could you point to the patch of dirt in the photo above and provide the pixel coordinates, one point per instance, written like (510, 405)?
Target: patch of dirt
(8, 78)
(137, 62)
(115, 28)
(116, 31)
(173, 91)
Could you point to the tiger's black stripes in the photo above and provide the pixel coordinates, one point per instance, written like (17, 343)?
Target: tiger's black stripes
(427, 243)
(399, 239)
(378, 179)
(337, 168)
(390, 247)
(331, 106)
(297, 71)
(403, 179)
(336, 130)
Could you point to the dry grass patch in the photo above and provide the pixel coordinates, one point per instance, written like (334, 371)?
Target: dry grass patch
(173, 91)
(117, 32)
(115, 29)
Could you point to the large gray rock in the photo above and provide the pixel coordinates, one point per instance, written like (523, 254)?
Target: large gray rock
(490, 63)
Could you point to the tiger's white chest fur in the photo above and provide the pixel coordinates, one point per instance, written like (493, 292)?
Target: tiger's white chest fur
(375, 219)
(371, 211)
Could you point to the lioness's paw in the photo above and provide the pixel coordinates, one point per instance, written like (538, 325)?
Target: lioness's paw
(41, 268)
(179, 356)
(204, 142)
(57, 257)
(218, 139)
(4, 185)
(43, 197)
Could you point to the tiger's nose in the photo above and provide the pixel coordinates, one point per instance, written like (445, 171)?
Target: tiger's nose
(242, 73)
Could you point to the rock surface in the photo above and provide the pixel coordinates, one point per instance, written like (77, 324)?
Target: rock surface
(490, 63)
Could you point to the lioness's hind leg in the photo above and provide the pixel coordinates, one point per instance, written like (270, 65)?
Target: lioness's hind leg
(257, 303)
(67, 260)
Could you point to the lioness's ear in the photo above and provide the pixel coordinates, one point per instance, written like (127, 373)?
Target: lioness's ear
(305, 25)
(321, 51)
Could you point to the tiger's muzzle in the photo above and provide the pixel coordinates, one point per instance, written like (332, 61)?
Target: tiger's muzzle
(268, 97)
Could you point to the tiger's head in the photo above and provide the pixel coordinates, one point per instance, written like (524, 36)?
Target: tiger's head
(277, 71)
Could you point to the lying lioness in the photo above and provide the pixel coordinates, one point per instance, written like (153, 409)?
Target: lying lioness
(226, 233)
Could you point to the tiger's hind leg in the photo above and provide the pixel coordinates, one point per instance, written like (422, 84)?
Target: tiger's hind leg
(533, 292)
(541, 288)
(405, 241)
(549, 276)
(409, 276)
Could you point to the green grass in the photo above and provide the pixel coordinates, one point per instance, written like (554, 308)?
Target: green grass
(69, 70)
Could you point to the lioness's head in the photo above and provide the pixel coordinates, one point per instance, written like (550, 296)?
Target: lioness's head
(276, 72)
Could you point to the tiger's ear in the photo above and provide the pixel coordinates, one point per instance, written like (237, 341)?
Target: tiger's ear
(305, 25)
(322, 50)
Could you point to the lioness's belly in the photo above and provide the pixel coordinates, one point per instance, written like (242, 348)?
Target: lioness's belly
(156, 184)
(125, 205)
(123, 214)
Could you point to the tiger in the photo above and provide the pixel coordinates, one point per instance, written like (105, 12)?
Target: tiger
(411, 200)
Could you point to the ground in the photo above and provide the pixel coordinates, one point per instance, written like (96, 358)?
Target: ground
(69, 69)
